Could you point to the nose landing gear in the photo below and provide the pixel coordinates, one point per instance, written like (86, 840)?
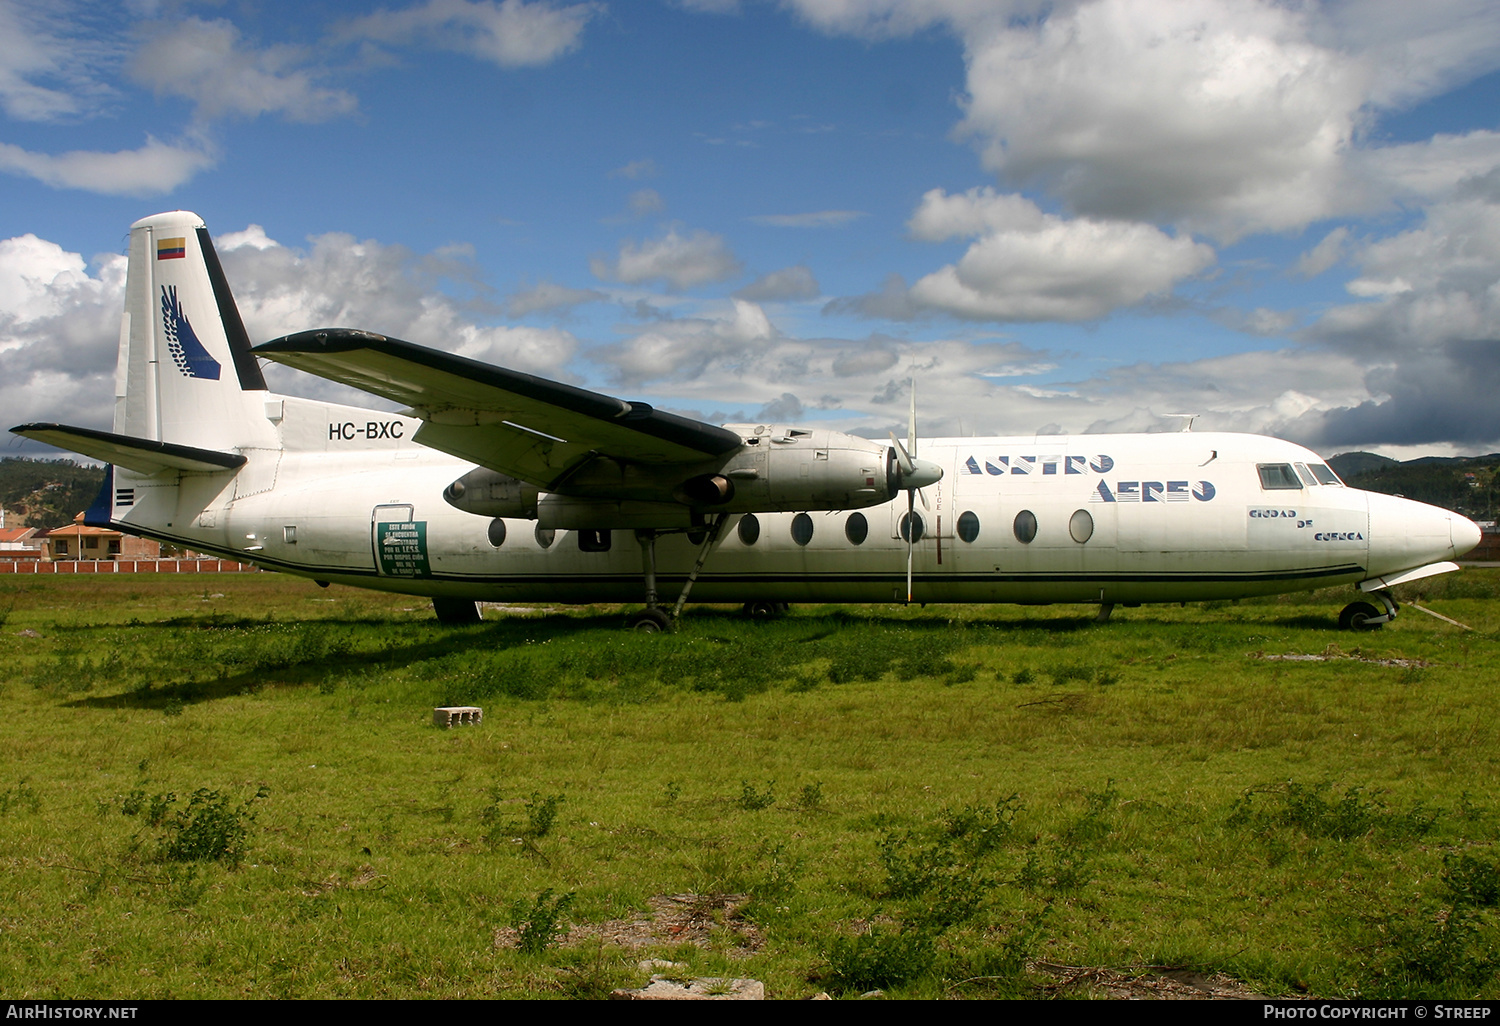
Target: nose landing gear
(1362, 616)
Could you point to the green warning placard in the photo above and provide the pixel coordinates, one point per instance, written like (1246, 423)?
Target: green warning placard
(402, 548)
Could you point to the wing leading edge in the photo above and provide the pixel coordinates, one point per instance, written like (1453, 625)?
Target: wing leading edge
(533, 429)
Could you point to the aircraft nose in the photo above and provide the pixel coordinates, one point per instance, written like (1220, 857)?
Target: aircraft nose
(1465, 534)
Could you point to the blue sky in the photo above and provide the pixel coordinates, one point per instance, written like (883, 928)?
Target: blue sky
(1073, 216)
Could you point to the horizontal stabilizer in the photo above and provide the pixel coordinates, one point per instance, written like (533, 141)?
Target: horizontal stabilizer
(138, 454)
(519, 424)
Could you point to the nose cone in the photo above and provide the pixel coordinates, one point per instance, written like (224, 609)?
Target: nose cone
(926, 472)
(1465, 534)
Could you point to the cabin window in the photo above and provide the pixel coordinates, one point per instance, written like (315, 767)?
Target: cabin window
(749, 529)
(802, 528)
(968, 526)
(545, 536)
(1278, 476)
(593, 540)
(497, 532)
(912, 527)
(856, 528)
(1081, 526)
(1324, 474)
(289, 534)
(1025, 526)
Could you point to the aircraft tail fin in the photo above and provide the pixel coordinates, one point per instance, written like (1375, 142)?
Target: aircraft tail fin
(185, 373)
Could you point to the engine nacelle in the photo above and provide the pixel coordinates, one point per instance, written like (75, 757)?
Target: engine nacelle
(794, 469)
(489, 493)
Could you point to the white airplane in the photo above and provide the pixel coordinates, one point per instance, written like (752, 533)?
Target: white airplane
(504, 487)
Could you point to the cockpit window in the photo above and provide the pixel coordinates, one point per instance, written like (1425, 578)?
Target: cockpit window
(1324, 474)
(1306, 475)
(1278, 476)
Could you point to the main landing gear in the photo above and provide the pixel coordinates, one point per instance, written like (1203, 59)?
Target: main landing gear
(1363, 616)
(653, 619)
(766, 610)
(455, 612)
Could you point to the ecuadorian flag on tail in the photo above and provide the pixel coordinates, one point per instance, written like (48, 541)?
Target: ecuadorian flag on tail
(171, 249)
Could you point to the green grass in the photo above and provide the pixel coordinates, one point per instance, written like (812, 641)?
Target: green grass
(230, 786)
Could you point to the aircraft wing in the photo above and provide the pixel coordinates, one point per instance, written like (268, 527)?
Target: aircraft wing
(533, 429)
(141, 455)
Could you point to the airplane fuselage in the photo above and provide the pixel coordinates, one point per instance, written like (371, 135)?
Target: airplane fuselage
(344, 495)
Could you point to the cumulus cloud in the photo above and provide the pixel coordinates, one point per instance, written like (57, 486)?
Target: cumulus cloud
(207, 62)
(1027, 265)
(154, 168)
(59, 332)
(1428, 336)
(1218, 115)
(796, 282)
(681, 261)
(341, 280)
(1227, 117)
(511, 34)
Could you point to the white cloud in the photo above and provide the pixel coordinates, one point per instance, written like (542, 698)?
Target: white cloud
(549, 297)
(795, 282)
(1421, 50)
(205, 61)
(681, 261)
(1324, 255)
(511, 34)
(1218, 115)
(1027, 265)
(378, 287)
(154, 168)
(1428, 339)
(59, 331)
(48, 65)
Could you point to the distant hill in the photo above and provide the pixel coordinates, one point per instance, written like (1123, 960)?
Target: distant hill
(1347, 464)
(46, 493)
(1465, 484)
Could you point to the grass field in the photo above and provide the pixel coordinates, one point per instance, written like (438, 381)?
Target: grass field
(230, 786)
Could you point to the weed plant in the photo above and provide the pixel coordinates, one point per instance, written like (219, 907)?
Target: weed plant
(927, 802)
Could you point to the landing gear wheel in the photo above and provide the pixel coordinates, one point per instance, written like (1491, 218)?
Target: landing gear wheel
(1356, 616)
(651, 621)
(453, 612)
(765, 610)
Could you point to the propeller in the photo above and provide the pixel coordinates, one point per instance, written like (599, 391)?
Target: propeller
(912, 475)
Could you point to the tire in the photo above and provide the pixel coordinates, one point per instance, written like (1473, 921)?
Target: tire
(452, 612)
(1356, 616)
(651, 621)
(765, 610)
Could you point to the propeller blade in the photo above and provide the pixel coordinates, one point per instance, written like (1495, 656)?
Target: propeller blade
(922, 494)
(903, 459)
(911, 423)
